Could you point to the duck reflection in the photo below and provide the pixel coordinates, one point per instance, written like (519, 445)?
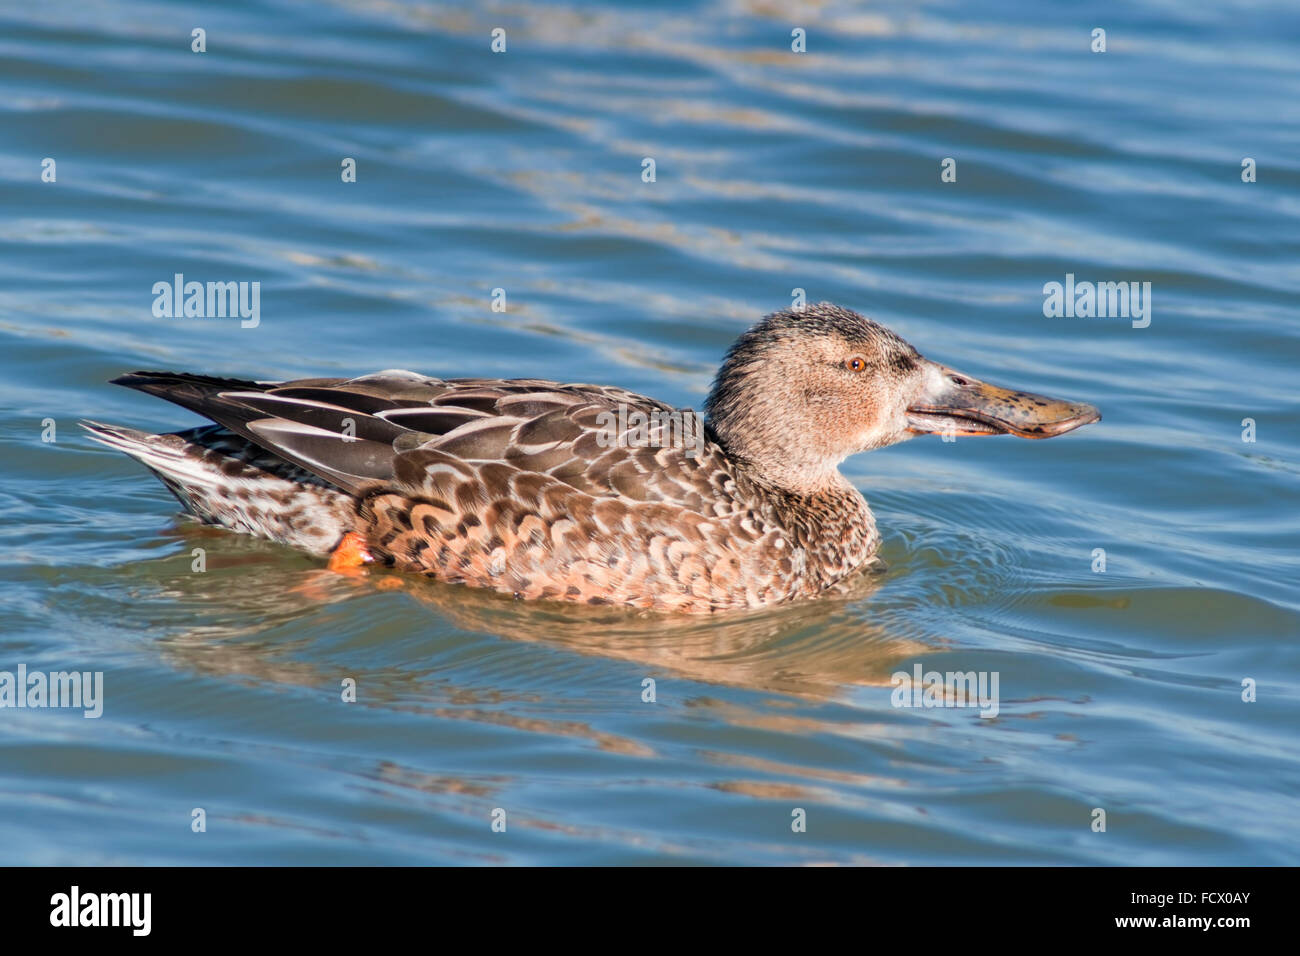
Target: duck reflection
(816, 649)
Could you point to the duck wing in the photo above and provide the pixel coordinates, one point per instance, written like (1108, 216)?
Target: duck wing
(410, 432)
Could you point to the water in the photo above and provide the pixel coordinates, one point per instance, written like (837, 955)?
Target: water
(1120, 690)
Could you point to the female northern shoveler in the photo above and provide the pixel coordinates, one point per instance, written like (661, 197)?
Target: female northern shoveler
(583, 493)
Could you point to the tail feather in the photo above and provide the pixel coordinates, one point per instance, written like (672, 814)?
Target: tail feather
(163, 454)
(202, 394)
(216, 476)
(244, 407)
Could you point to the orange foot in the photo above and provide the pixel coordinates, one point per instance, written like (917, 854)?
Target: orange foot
(350, 555)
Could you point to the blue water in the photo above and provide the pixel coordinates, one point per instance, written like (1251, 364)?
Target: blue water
(1120, 689)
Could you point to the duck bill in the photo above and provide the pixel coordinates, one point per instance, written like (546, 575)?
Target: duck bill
(954, 404)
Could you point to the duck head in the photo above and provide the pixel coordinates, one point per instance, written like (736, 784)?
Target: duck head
(801, 391)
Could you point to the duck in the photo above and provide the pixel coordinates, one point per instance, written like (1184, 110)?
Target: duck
(582, 493)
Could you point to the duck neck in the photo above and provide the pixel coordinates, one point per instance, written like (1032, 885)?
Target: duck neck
(800, 489)
(832, 525)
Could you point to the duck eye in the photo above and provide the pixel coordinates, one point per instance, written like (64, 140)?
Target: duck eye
(855, 364)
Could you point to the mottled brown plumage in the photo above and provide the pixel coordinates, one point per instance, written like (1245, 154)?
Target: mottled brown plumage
(581, 492)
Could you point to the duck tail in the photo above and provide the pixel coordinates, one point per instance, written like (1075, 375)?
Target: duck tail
(223, 479)
(202, 394)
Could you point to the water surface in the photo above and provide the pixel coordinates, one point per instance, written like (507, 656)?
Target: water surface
(1120, 689)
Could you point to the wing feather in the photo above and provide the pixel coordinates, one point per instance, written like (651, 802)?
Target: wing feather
(437, 437)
